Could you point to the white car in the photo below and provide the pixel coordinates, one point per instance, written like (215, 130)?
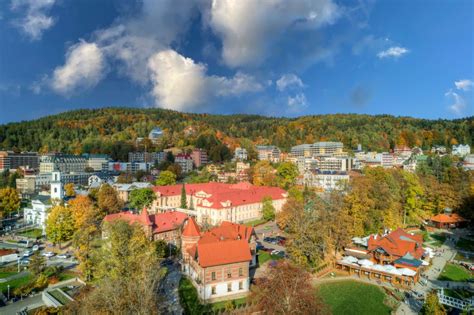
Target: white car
(35, 248)
(275, 252)
(48, 254)
(64, 256)
(27, 253)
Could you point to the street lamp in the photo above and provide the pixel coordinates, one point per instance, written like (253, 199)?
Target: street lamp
(8, 287)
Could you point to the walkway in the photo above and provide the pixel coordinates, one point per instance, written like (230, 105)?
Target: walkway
(169, 289)
(30, 302)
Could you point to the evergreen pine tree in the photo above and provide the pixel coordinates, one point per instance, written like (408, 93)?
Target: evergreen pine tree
(183, 198)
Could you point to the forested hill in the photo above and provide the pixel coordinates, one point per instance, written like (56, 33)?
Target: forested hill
(104, 129)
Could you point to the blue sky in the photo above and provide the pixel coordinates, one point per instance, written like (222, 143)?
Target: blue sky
(279, 57)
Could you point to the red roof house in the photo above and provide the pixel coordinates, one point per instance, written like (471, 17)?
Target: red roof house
(447, 220)
(395, 245)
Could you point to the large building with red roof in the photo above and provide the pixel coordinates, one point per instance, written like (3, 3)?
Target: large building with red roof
(161, 226)
(214, 203)
(218, 261)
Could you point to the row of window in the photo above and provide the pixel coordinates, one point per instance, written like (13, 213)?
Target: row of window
(229, 287)
(229, 274)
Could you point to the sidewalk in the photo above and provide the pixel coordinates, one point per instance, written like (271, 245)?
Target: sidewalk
(30, 302)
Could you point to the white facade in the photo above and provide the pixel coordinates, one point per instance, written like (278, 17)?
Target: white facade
(56, 186)
(221, 289)
(97, 161)
(38, 213)
(326, 181)
(468, 162)
(461, 150)
(185, 162)
(240, 154)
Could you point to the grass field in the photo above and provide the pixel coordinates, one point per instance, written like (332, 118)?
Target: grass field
(453, 272)
(255, 222)
(264, 256)
(15, 283)
(458, 293)
(465, 244)
(32, 233)
(352, 297)
(189, 298)
(6, 274)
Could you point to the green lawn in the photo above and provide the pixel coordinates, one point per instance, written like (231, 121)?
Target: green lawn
(32, 233)
(465, 244)
(352, 297)
(190, 300)
(453, 272)
(66, 276)
(6, 274)
(264, 256)
(15, 283)
(437, 239)
(58, 295)
(255, 222)
(221, 305)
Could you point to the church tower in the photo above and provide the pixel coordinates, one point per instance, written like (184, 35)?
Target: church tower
(56, 186)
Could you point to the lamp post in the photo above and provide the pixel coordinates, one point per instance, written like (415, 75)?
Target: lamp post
(8, 288)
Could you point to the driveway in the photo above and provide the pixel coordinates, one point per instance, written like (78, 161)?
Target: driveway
(169, 289)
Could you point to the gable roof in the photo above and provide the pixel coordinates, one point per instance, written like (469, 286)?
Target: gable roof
(227, 231)
(397, 243)
(223, 253)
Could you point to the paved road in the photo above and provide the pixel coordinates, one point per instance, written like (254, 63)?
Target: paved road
(30, 303)
(269, 229)
(169, 289)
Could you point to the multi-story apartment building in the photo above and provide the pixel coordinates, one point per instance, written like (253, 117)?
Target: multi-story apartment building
(240, 154)
(127, 167)
(325, 180)
(97, 161)
(317, 149)
(124, 190)
(461, 150)
(217, 202)
(341, 164)
(10, 160)
(199, 157)
(146, 157)
(62, 162)
(218, 261)
(268, 153)
(185, 161)
(26, 185)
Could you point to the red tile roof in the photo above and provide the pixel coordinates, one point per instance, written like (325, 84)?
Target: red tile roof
(223, 253)
(161, 222)
(447, 218)
(191, 228)
(237, 194)
(227, 231)
(398, 243)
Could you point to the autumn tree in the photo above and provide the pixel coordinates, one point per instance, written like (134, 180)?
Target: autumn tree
(290, 209)
(166, 178)
(127, 273)
(37, 264)
(184, 203)
(287, 173)
(287, 290)
(432, 305)
(263, 174)
(69, 190)
(268, 211)
(9, 201)
(60, 224)
(140, 198)
(108, 199)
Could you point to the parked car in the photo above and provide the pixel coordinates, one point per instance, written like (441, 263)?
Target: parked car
(64, 256)
(48, 254)
(25, 261)
(35, 248)
(275, 252)
(27, 253)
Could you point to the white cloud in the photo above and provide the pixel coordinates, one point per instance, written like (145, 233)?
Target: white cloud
(458, 105)
(181, 84)
(464, 85)
(393, 52)
(288, 80)
(248, 28)
(297, 102)
(36, 19)
(84, 68)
